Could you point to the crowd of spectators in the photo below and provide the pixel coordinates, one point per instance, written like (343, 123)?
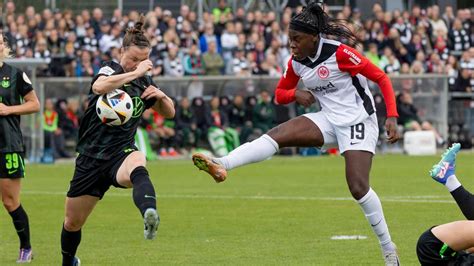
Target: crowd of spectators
(240, 42)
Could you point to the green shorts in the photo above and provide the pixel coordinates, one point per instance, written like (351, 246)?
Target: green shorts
(12, 165)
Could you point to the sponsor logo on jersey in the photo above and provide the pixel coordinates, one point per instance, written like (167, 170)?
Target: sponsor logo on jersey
(5, 82)
(323, 88)
(353, 58)
(323, 72)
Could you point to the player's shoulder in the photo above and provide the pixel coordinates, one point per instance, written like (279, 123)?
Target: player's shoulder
(110, 67)
(347, 53)
(329, 42)
(8, 68)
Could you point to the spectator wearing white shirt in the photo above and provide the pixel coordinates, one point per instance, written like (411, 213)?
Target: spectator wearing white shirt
(113, 39)
(173, 63)
(229, 41)
(439, 26)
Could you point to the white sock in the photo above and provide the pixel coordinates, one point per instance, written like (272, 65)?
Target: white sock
(250, 152)
(372, 208)
(452, 183)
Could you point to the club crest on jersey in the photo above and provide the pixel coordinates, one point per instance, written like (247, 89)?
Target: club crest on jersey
(139, 107)
(5, 82)
(323, 72)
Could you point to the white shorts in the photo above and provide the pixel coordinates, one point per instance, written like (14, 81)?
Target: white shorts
(362, 136)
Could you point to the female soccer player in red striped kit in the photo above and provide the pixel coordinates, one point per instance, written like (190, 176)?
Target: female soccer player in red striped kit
(336, 75)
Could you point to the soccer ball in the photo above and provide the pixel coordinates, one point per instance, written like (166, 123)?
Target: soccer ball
(114, 108)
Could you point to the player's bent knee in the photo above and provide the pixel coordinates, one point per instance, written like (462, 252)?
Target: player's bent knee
(10, 203)
(358, 189)
(135, 160)
(73, 225)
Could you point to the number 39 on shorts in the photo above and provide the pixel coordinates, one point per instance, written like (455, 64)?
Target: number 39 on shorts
(11, 165)
(12, 161)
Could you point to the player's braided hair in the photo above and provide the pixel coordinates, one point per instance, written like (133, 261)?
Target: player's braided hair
(313, 20)
(135, 36)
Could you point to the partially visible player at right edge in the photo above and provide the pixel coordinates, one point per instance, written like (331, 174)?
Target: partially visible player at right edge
(451, 243)
(336, 75)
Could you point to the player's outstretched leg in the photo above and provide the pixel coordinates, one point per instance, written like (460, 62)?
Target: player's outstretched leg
(444, 173)
(445, 168)
(251, 152)
(208, 164)
(144, 198)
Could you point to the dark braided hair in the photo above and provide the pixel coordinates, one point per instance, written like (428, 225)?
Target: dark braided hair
(313, 20)
(135, 36)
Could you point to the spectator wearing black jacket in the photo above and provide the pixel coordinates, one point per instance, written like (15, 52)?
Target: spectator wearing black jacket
(409, 119)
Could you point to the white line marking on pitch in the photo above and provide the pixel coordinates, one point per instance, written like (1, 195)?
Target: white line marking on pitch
(348, 237)
(407, 199)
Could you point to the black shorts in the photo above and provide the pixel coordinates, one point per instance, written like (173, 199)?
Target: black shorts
(12, 165)
(431, 251)
(94, 177)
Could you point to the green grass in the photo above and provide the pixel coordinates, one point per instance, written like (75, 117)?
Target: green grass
(282, 211)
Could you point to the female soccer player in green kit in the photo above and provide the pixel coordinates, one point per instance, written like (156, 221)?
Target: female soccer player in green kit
(107, 154)
(17, 98)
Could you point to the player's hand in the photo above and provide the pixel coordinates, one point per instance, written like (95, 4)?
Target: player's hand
(4, 110)
(304, 97)
(392, 130)
(143, 67)
(153, 92)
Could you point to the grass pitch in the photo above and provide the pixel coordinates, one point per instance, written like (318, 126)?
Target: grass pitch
(282, 211)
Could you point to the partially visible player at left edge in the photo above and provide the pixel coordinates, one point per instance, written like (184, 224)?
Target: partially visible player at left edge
(17, 98)
(107, 154)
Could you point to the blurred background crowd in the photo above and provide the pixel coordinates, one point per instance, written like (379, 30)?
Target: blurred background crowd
(232, 42)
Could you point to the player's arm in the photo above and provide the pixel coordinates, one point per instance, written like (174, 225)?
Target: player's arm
(458, 235)
(349, 60)
(107, 83)
(30, 105)
(286, 91)
(163, 104)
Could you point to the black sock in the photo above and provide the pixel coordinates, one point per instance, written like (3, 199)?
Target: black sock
(143, 190)
(69, 243)
(465, 201)
(20, 221)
